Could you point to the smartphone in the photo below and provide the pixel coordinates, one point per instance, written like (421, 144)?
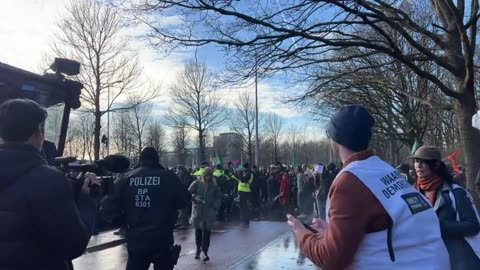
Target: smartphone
(308, 227)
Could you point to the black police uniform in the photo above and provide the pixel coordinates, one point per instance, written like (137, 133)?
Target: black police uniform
(150, 197)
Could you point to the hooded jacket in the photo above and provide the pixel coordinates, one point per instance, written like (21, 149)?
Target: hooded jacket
(41, 225)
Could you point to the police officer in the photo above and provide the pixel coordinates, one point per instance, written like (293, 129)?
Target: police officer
(226, 187)
(245, 180)
(199, 171)
(150, 197)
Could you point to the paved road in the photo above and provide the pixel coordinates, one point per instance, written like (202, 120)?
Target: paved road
(264, 245)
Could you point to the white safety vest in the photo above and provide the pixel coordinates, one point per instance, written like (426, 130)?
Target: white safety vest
(474, 241)
(414, 241)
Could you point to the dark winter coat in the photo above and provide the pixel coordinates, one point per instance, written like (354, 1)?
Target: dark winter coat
(150, 197)
(41, 226)
(454, 232)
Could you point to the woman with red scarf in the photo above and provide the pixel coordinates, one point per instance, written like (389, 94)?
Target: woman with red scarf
(284, 196)
(459, 221)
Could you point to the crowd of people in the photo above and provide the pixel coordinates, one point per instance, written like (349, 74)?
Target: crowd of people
(366, 213)
(253, 194)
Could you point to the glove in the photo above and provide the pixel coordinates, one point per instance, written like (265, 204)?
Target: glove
(197, 199)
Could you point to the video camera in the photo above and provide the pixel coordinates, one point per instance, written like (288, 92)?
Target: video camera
(48, 90)
(103, 168)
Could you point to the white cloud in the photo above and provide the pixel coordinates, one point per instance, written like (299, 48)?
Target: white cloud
(27, 28)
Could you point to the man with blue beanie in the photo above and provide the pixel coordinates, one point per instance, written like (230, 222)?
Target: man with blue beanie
(375, 219)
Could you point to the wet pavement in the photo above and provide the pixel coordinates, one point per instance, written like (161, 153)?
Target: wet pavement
(264, 245)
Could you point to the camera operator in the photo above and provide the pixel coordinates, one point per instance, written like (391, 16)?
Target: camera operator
(41, 225)
(150, 197)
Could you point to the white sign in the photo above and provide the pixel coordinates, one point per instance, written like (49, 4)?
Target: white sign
(476, 120)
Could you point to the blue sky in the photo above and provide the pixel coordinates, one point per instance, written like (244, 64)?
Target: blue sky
(27, 27)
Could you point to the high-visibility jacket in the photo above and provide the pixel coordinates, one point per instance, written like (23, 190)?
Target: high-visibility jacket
(198, 172)
(218, 173)
(244, 186)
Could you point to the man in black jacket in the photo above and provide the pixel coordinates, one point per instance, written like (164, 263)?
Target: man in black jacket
(150, 197)
(41, 225)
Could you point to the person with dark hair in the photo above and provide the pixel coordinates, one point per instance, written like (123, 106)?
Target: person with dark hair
(301, 190)
(459, 222)
(245, 180)
(150, 197)
(43, 223)
(226, 186)
(375, 219)
(206, 200)
(186, 179)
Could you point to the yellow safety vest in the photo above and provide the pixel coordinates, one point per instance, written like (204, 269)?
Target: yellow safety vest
(198, 172)
(218, 173)
(244, 187)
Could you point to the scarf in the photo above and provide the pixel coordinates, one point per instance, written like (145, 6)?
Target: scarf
(429, 186)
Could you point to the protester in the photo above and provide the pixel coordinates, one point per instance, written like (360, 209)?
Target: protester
(404, 169)
(150, 197)
(458, 216)
(44, 223)
(273, 189)
(206, 200)
(186, 179)
(284, 195)
(323, 182)
(309, 190)
(302, 194)
(226, 186)
(375, 219)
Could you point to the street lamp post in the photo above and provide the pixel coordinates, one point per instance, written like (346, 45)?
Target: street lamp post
(257, 147)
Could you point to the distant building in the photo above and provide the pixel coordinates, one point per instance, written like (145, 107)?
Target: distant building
(228, 146)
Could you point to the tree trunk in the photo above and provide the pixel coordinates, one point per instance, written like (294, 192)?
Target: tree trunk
(250, 151)
(465, 108)
(96, 135)
(202, 146)
(470, 138)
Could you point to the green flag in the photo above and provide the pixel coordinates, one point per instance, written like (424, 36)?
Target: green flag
(218, 160)
(294, 161)
(415, 146)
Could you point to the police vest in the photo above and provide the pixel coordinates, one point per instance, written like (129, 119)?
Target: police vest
(198, 172)
(218, 173)
(414, 240)
(244, 187)
(473, 241)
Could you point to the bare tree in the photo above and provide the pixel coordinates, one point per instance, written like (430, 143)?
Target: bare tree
(274, 127)
(302, 34)
(84, 125)
(242, 121)
(138, 116)
(195, 102)
(180, 141)
(91, 33)
(156, 136)
(122, 134)
(293, 134)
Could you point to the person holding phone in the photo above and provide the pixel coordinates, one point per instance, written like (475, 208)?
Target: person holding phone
(375, 219)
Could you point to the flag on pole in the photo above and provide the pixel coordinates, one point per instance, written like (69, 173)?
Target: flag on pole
(452, 157)
(218, 160)
(294, 161)
(415, 146)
